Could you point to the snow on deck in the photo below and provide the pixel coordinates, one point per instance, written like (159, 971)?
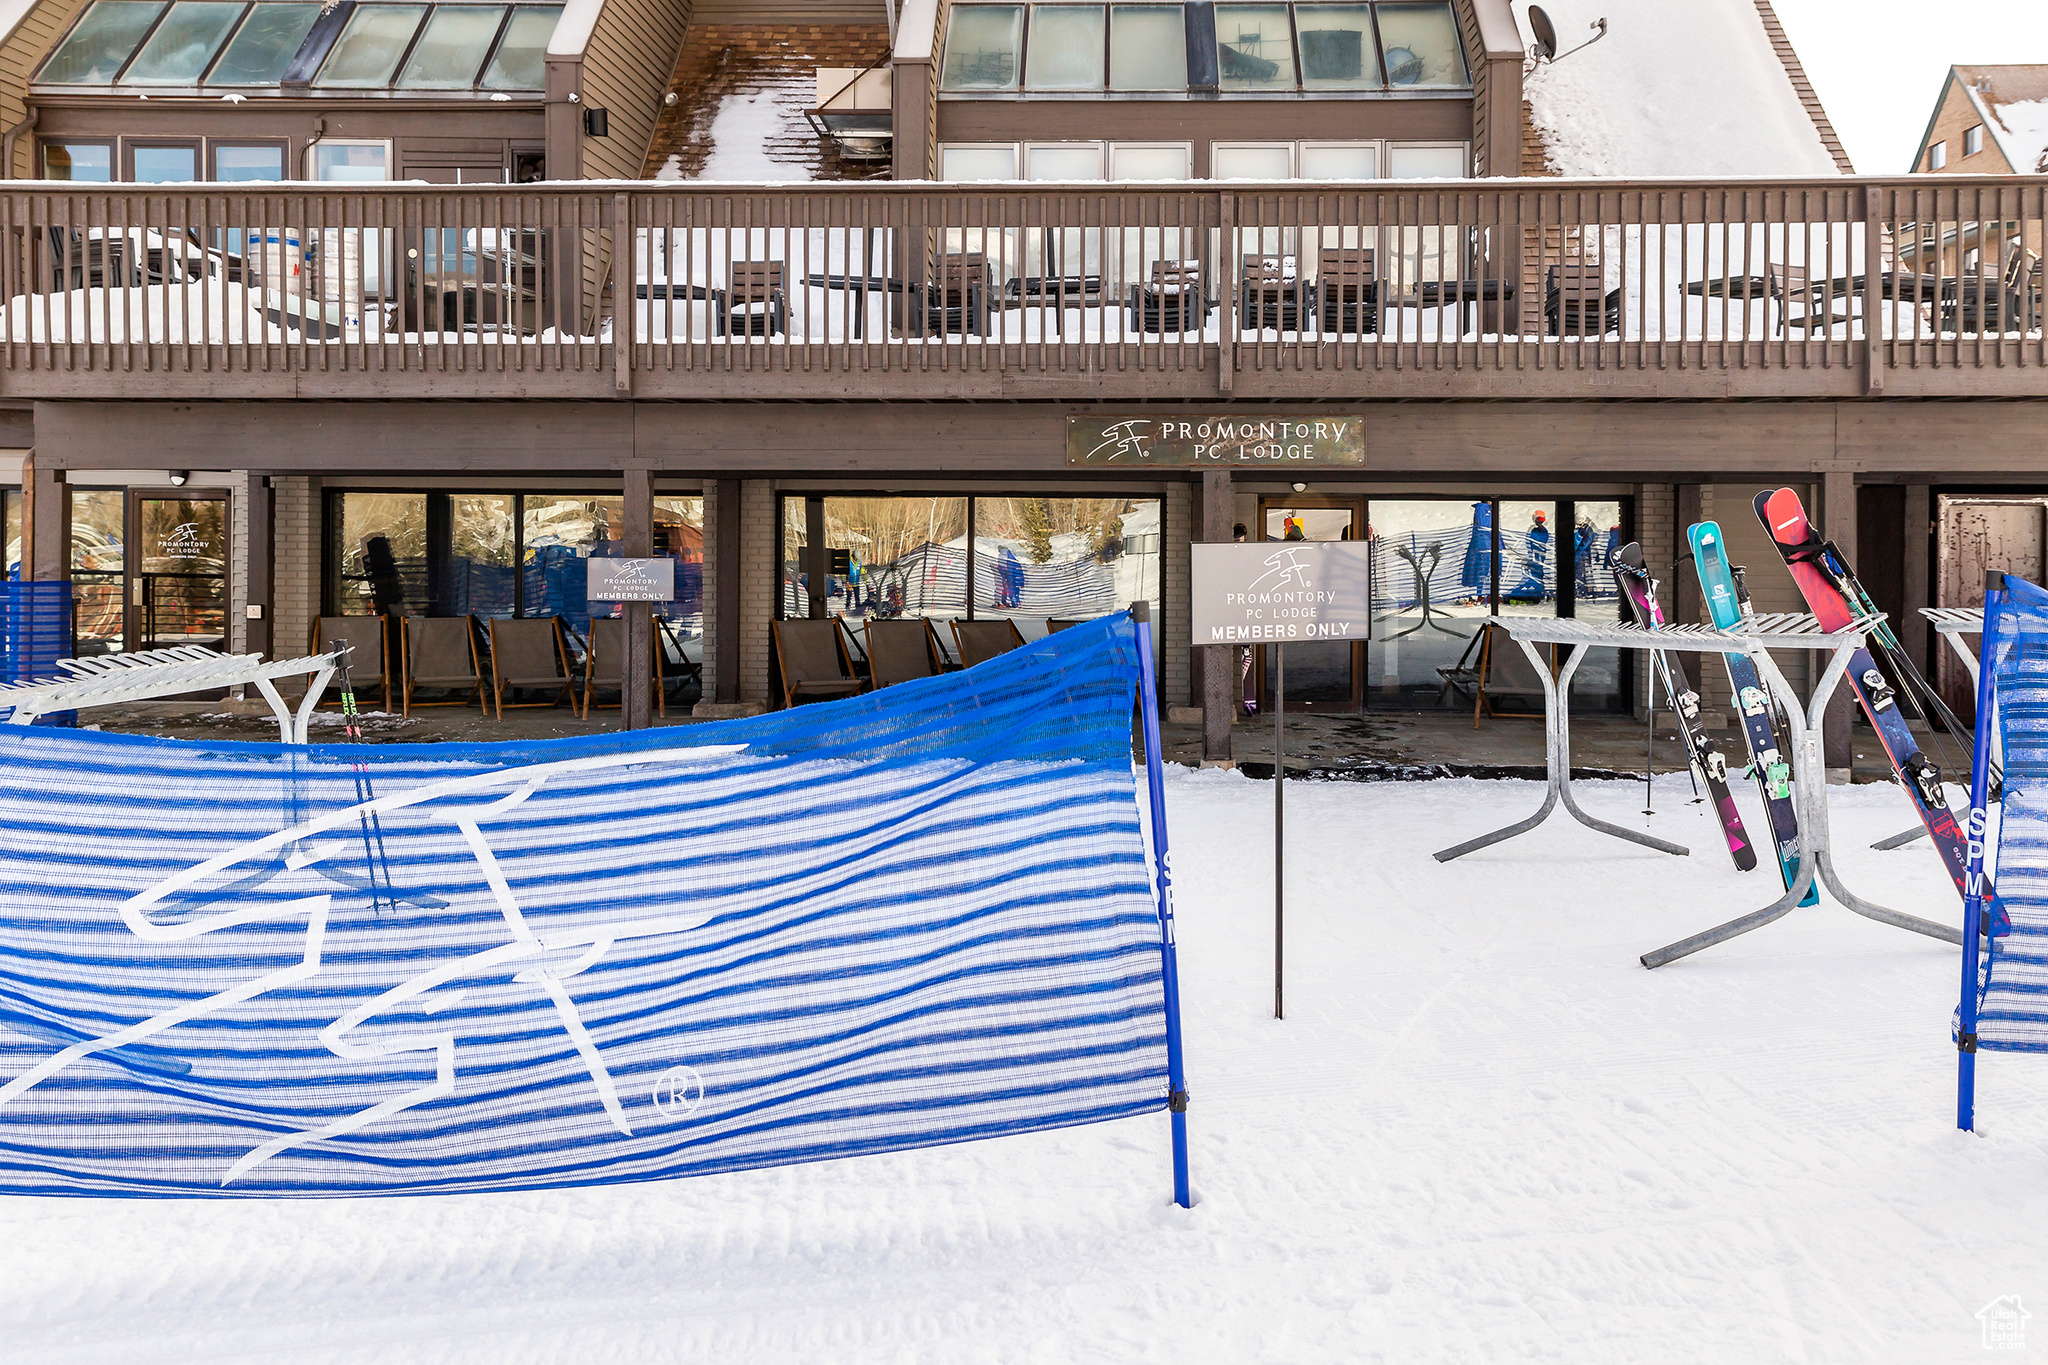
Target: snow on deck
(1483, 1134)
(1677, 87)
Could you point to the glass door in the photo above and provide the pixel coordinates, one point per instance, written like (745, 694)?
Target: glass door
(1322, 675)
(177, 572)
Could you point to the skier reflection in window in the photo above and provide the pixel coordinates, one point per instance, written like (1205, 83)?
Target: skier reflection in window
(1535, 562)
(380, 566)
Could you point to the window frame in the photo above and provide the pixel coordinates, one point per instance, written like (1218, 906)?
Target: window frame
(1011, 147)
(112, 144)
(131, 145)
(282, 144)
(1937, 155)
(1973, 139)
(1111, 148)
(1027, 147)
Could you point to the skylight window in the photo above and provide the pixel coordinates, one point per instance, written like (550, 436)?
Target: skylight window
(263, 47)
(183, 43)
(98, 48)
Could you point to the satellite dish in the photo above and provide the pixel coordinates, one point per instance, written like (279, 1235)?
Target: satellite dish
(1545, 31)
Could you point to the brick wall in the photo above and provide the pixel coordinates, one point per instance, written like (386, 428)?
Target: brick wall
(1175, 642)
(296, 582)
(758, 577)
(238, 571)
(1657, 533)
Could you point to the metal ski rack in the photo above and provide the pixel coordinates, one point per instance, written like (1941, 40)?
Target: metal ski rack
(1756, 637)
(111, 679)
(1952, 624)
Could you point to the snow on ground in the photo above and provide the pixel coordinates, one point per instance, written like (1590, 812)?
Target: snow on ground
(1483, 1133)
(1692, 89)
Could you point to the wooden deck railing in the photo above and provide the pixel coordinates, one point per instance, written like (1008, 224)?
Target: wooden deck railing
(1928, 286)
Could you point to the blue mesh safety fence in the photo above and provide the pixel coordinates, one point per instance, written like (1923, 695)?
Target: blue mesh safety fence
(2012, 974)
(918, 916)
(35, 630)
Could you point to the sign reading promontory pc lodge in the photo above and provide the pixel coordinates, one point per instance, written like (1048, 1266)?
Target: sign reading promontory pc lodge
(1281, 591)
(1273, 442)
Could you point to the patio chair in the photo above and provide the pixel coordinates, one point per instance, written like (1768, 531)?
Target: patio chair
(957, 298)
(1347, 290)
(1054, 624)
(1273, 294)
(678, 669)
(364, 636)
(899, 651)
(1504, 671)
(530, 654)
(440, 652)
(814, 662)
(604, 663)
(1996, 303)
(753, 303)
(1174, 301)
(1790, 290)
(981, 641)
(1577, 302)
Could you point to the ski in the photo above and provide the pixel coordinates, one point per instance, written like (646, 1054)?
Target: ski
(1769, 761)
(1641, 592)
(1836, 600)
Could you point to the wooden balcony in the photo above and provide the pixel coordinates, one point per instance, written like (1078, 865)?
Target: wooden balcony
(1495, 289)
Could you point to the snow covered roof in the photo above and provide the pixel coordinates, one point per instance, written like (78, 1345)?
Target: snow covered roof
(1699, 88)
(2013, 101)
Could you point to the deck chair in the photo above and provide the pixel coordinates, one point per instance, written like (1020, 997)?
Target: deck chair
(440, 652)
(1577, 301)
(530, 654)
(1273, 294)
(814, 662)
(957, 300)
(604, 663)
(365, 636)
(981, 641)
(678, 670)
(1176, 299)
(1504, 670)
(899, 651)
(1995, 303)
(753, 303)
(1347, 290)
(1790, 290)
(1058, 623)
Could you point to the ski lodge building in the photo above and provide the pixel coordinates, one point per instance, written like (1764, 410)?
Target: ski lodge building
(970, 308)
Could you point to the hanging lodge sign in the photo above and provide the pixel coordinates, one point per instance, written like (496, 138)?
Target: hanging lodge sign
(1265, 441)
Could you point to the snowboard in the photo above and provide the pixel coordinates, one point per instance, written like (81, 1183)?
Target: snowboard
(1728, 604)
(1834, 596)
(1640, 590)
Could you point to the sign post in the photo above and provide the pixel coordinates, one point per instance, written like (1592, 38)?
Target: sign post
(1271, 593)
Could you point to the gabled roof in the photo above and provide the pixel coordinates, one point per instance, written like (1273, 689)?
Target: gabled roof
(2013, 102)
(1701, 88)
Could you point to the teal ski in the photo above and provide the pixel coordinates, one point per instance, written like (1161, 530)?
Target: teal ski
(1769, 759)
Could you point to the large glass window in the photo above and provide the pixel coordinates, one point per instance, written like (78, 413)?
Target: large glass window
(1339, 160)
(978, 163)
(163, 165)
(1150, 160)
(264, 46)
(906, 557)
(79, 162)
(257, 161)
(1337, 48)
(1148, 47)
(451, 48)
(481, 577)
(98, 47)
(1426, 162)
(10, 533)
(1066, 49)
(377, 554)
(520, 61)
(352, 161)
(183, 43)
(982, 46)
(1255, 47)
(368, 49)
(1421, 46)
(1252, 161)
(99, 558)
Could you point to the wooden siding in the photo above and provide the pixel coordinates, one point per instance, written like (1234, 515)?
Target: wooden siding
(626, 67)
(1475, 56)
(21, 52)
(1783, 46)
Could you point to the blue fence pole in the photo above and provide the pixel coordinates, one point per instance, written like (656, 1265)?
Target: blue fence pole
(1973, 879)
(1169, 963)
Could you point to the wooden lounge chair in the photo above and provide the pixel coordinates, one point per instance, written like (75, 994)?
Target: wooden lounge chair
(678, 670)
(753, 302)
(899, 651)
(1347, 290)
(530, 654)
(1273, 294)
(1996, 303)
(364, 637)
(1790, 290)
(981, 641)
(1577, 301)
(440, 652)
(604, 663)
(814, 662)
(1059, 623)
(1176, 300)
(1504, 671)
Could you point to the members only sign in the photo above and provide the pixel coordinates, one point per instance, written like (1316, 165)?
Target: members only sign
(1280, 592)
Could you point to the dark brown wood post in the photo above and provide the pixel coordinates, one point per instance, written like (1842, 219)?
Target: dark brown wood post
(260, 554)
(1917, 582)
(48, 505)
(636, 699)
(1838, 522)
(1217, 667)
(726, 654)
